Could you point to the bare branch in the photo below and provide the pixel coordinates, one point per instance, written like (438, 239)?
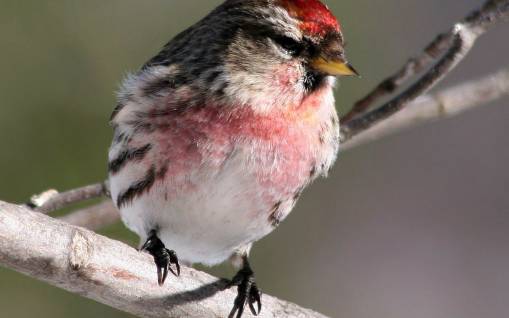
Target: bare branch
(113, 273)
(52, 200)
(94, 217)
(454, 45)
(412, 67)
(446, 103)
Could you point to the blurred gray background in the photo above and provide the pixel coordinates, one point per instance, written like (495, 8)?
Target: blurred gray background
(415, 225)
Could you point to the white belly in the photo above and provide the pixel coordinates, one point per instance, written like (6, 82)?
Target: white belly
(220, 212)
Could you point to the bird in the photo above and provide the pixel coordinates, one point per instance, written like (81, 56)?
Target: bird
(216, 137)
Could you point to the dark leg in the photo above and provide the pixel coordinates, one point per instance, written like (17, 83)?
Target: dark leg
(163, 257)
(248, 292)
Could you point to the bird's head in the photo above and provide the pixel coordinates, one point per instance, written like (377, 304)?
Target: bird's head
(319, 37)
(264, 53)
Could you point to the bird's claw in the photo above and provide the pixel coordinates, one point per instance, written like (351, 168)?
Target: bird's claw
(248, 293)
(164, 261)
(163, 257)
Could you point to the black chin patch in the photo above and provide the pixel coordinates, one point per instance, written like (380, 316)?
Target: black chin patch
(313, 81)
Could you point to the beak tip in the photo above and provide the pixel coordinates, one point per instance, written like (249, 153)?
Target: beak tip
(334, 67)
(353, 70)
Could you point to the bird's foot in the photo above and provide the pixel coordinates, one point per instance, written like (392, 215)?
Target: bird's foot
(163, 257)
(248, 293)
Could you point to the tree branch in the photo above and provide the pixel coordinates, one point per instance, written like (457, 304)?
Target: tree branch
(113, 273)
(454, 45)
(443, 104)
(94, 217)
(51, 200)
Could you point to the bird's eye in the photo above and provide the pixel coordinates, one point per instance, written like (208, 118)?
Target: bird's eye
(292, 46)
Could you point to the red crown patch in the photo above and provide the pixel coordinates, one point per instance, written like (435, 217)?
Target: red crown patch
(315, 17)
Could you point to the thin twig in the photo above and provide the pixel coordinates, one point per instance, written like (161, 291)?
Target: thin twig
(113, 273)
(56, 201)
(454, 45)
(391, 84)
(443, 104)
(95, 217)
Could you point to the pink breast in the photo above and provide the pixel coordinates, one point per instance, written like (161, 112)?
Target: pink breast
(283, 144)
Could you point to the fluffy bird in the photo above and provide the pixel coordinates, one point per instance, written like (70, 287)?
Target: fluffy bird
(216, 137)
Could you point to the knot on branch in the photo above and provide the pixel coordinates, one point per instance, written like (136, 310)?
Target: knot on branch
(80, 250)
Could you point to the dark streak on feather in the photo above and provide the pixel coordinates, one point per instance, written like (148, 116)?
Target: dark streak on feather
(126, 156)
(137, 189)
(117, 110)
(275, 216)
(335, 122)
(312, 172)
(157, 86)
(297, 194)
(162, 172)
(321, 138)
(118, 136)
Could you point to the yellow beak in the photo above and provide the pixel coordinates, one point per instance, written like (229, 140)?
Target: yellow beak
(334, 67)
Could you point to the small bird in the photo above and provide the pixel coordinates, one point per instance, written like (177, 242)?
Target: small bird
(216, 137)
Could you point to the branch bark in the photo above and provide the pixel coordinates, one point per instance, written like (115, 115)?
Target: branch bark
(113, 273)
(52, 200)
